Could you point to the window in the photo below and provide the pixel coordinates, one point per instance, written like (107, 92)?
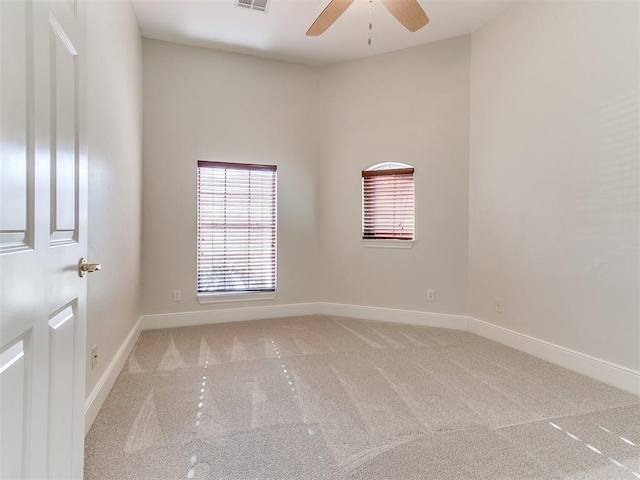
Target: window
(236, 229)
(388, 204)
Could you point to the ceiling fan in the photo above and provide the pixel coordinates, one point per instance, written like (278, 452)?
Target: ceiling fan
(408, 12)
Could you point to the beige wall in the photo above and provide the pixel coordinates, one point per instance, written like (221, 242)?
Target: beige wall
(410, 106)
(321, 128)
(115, 178)
(210, 105)
(554, 170)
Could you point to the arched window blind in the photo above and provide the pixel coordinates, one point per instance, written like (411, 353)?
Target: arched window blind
(388, 203)
(236, 228)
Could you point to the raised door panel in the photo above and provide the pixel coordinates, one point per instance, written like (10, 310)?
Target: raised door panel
(64, 137)
(12, 412)
(16, 148)
(62, 351)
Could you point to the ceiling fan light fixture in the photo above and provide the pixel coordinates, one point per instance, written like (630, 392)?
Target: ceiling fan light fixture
(408, 12)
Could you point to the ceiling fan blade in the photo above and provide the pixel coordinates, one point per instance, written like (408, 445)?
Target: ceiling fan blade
(408, 12)
(329, 15)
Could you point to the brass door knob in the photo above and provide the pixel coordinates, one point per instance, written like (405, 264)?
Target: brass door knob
(84, 267)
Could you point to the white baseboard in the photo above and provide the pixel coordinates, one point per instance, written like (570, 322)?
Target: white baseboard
(394, 315)
(412, 317)
(99, 394)
(184, 319)
(607, 372)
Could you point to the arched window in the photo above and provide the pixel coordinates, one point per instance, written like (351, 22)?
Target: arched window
(388, 202)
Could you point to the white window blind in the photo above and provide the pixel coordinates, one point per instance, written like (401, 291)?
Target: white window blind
(236, 228)
(388, 203)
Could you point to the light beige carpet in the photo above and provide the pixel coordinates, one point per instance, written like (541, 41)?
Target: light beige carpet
(330, 398)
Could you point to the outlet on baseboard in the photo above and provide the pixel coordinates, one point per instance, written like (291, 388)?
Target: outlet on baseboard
(94, 357)
(499, 305)
(177, 295)
(431, 295)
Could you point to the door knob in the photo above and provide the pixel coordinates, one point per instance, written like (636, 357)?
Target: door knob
(84, 267)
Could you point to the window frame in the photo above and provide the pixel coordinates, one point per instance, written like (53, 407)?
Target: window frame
(381, 170)
(222, 296)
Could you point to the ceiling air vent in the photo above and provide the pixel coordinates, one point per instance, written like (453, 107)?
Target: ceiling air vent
(259, 5)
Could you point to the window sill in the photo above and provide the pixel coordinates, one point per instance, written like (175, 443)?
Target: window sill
(388, 243)
(204, 298)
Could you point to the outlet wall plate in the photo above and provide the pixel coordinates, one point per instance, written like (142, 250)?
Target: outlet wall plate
(499, 305)
(431, 295)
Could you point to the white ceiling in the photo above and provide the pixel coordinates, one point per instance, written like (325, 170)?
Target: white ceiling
(280, 32)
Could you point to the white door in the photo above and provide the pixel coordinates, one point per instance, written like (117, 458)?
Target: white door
(42, 237)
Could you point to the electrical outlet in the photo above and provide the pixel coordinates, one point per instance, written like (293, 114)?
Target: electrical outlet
(94, 357)
(177, 295)
(499, 305)
(431, 295)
